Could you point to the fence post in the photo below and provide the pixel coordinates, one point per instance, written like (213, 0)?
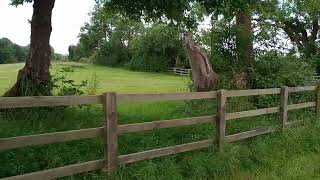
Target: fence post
(318, 101)
(220, 118)
(284, 106)
(110, 136)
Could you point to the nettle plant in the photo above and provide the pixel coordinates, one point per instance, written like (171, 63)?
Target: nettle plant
(66, 86)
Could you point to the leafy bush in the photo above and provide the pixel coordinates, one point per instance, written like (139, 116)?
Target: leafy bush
(315, 61)
(276, 71)
(157, 49)
(66, 86)
(112, 53)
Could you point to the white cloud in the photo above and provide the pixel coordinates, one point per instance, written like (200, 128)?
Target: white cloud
(67, 18)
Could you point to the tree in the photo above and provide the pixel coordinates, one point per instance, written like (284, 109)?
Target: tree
(34, 78)
(11, 52)
(106, 37)
(180, 11)
(301, 24)
(244, 39)
(6, 51)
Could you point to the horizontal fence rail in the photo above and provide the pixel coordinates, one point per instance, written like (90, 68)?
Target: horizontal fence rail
(47, 101)
(252, 92)
(110, 131)
(302, 88)
(49, 138)
(248, 134)
(130, 158)
(251, 113)
(138, 127)
(61, 171)
(166, 97)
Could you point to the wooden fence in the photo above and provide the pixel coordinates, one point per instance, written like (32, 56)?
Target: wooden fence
(111, 129)
(181, 71)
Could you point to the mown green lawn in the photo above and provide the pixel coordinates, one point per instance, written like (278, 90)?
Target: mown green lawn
(292, 154)
(110, 79)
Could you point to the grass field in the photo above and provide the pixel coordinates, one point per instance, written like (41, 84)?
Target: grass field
(110, 79)
(293, 154)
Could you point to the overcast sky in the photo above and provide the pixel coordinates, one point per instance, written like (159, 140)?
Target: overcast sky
(68, 17)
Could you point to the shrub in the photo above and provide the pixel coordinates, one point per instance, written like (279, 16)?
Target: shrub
(66, 86)
(157, 49)
(112, 53)
(275, 71)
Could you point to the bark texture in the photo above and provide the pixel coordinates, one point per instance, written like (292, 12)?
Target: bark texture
(35, 74)
(203, 76)
(244, 40)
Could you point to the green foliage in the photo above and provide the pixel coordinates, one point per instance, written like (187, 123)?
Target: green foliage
(74, 53)
(275, 71)
(315, 61)
(152, 9)
(93, 84)
(29, 88)
(157, 49)
(105, 39)
(221, 43)
(12, 53)
(66, 87)
(112, 53)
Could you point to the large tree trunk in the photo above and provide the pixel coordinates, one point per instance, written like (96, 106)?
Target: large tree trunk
(203, 76)
(244, 40)
(34, 78)
(245, 52)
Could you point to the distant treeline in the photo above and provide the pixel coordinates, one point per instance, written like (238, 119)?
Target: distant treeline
(13, 53)
(129, 44)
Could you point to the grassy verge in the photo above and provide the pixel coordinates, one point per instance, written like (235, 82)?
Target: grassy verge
(274, 156)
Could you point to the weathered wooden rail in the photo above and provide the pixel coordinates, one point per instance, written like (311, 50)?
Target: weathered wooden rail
(111, 129)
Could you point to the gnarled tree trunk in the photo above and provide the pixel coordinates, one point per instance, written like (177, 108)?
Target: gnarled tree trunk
(203, 76)
(34, 78)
